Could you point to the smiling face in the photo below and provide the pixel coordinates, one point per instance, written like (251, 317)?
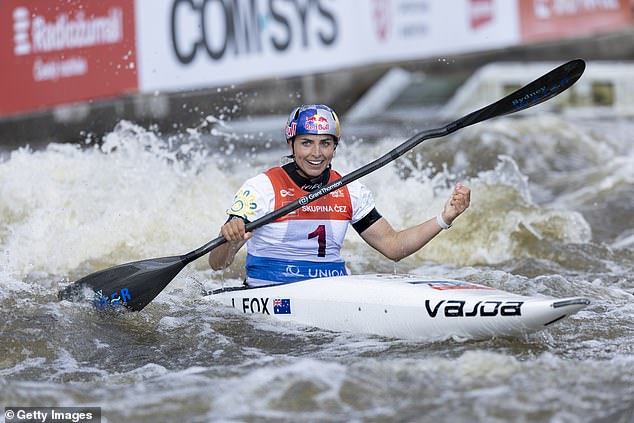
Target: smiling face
(313, 153)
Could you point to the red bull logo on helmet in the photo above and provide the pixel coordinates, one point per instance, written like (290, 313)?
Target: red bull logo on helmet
(317, 123)
(312, 119)
(291, 130)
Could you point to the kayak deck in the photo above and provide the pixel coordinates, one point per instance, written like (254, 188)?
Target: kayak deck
(402, 306)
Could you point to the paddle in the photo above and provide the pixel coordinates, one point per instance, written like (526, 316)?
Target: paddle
(136, 284)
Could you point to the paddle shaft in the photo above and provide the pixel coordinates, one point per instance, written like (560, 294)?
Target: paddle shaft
(538, 91)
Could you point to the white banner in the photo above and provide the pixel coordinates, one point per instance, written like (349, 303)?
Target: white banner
(186, 44)
(414, 29)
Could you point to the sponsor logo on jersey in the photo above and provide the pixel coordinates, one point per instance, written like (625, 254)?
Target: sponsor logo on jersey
(312, 272)
(325, 273)
(288, 192)
(244, 204)
(329, 208)
(338, 193)
(292, 270)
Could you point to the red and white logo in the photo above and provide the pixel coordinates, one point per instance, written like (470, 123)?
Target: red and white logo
(337, 193)
(317, 123)
(482, 13)
(64, 51)
(291, 130)
(289, 192)
(66, 31)
(382, 18)
(21, 26)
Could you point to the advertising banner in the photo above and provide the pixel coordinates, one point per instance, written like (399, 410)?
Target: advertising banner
(415, 29)
(186, 44)
(196, 43)
(554, 19)
(63, 51)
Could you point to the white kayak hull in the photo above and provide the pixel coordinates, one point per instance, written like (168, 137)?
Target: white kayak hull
(402, 306)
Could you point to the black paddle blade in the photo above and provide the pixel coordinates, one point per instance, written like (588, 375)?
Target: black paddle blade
(132, 285)
(542, 89)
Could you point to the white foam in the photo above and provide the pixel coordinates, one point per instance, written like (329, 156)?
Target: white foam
(139, 195)
(128, 199)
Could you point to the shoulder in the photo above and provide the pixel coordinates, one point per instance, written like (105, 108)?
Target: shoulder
(362, 200)
(259, 185)
(360, 191)
(254, 197)
(360, 194)
(259, 179)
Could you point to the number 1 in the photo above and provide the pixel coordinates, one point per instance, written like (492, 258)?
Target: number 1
(320, 233)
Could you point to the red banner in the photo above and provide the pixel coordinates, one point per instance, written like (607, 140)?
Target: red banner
(63, 51)
(554, 19)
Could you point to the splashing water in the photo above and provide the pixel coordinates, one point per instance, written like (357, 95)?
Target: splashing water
(551, 214)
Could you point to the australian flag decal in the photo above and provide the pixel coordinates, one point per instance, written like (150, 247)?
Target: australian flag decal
(282, 306)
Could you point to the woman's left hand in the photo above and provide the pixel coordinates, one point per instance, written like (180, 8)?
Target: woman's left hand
(457, 203)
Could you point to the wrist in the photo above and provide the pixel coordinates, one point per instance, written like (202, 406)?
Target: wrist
(441, 222)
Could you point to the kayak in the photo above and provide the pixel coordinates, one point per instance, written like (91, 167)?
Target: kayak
(402, 306)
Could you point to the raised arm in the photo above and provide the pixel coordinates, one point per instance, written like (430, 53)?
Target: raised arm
(397, 245)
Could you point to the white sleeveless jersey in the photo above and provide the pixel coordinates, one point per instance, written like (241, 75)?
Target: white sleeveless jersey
(306, 243)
